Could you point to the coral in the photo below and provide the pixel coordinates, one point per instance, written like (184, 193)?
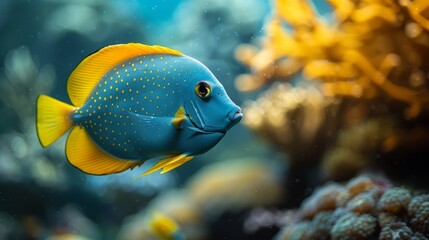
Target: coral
(295, 232)
(222, 187)
(371, 49)
(362, 203)
(351, 226)
(323, 199)
(419, 212)
(364, 208)
(355, 147)
(395, 230)
(322, 224)
(232, 190)
(359, 96)
(394, 200)
(359, 184)
(385, 218)
(419, 236)
(295, 119)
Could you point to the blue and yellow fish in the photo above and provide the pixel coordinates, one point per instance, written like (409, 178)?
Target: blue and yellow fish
(134, 102)
(165, 227)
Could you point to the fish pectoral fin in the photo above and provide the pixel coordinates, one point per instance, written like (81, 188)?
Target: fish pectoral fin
(85, 155)
(179, 117)
(175, 161)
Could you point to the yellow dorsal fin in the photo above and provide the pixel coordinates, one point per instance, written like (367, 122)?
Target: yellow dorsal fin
(86, 75)
(179, 117)
(85, 155)
(166, 162)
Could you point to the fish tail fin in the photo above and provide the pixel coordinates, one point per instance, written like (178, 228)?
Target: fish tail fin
(52, 119)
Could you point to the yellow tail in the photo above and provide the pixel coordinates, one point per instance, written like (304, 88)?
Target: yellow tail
(52, 119)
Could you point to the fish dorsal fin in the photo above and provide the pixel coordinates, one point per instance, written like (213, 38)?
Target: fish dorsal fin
(85, 155)
(86, 75)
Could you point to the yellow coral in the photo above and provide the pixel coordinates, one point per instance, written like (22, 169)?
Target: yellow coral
(374, 48)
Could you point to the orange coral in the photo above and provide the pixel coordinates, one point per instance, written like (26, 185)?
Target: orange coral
(374, 48)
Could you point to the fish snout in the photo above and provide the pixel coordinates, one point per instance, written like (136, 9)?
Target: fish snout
(235, 115)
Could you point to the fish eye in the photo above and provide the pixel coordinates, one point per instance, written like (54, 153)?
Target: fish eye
(203, 89)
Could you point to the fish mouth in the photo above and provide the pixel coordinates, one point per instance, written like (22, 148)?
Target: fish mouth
(201, 130)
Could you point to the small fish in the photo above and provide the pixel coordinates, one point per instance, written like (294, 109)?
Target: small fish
(133, 102)
(165, 227)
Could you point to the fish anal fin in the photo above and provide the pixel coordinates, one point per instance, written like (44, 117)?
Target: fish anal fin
(85, 155)
(176, 164)
(164, 163)
(86, 75)
(178, 118)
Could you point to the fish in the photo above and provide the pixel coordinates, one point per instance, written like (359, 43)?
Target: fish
(165, 227)
(134, 102)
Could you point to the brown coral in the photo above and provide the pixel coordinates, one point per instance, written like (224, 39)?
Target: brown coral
(352, 226)
(365, 208)
(394, 200)
(418, 209)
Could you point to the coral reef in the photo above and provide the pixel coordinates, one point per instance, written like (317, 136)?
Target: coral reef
(294, 119)
(364, 208)
(232, 191)
(370, 50)
(206, 197)
(359, 92)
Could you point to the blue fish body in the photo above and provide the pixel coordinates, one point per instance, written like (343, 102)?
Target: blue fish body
(162, 104)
